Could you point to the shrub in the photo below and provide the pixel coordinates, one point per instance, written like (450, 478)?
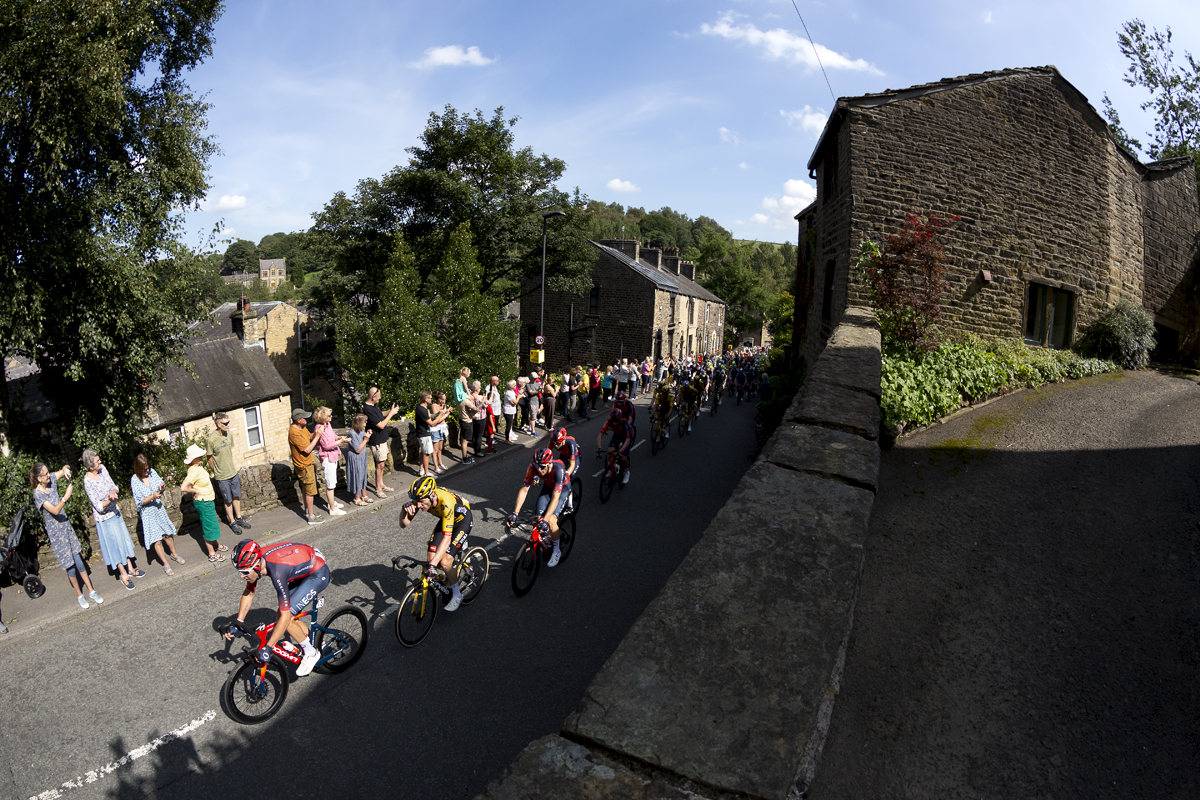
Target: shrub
(1124, 333)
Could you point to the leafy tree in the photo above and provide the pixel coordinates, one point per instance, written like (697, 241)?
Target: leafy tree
(1174, 90)
(787, 251)
(258, 291)
(393, 344)
(767, 262)
(657, 230)
(241, 256)
(906, 278)
(1118, 130)
(779, 319)
(102, 144)
(465, 169)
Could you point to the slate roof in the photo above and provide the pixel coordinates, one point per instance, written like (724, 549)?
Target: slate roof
(218, 326)
(25, 396)
(228, 376)
(667, 281)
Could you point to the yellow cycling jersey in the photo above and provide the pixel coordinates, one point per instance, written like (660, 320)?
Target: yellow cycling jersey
(450, 509)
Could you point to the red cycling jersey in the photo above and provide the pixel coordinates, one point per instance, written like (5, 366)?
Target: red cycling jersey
(556, 481)
(289, 562)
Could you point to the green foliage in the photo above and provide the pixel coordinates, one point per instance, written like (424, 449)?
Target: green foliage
(919, 387)
(16, 493)
(102, 147)
(779, 319)
(1124, 333)
(1117, 129)
(241, 256)
(784, 386)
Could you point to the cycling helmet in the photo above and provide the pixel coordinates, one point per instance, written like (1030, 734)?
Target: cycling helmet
(422, 488)
(246, 554)
(560, 436)
(621, 396)
(616, 415)
(543, 457)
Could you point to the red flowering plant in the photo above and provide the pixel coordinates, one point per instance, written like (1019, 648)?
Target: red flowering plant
(906, 279)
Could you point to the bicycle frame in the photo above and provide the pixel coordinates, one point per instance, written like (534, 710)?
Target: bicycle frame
(263, 632)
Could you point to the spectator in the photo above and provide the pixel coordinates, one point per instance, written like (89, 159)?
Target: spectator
(481, 418)
(466, 427)
(115, 545)
(549, 400)
(58, 528)
(593, 387)
(198, 484)
(510, 411)
(462, 387)
(439, 429)
(645, 374)
(356, 461)
(219, 449)
(581, 392)
(492, 396)
(302, 444)
(523, 402)
(148, 489)
(422, 418)
(377, 423)
(566, 394)
(623, 376)
(607, 383)
(329, 450)
(533, 390)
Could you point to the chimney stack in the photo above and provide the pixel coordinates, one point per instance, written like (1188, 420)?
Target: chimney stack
(688, 269)
(627, 246)
(652, 256)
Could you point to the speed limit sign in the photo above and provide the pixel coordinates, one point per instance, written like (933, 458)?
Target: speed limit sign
(539, 340)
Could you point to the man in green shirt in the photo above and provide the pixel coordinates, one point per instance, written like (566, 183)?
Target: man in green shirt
(225, 472)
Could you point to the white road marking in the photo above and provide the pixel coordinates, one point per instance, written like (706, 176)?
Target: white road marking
(96, 774)
(636, 446)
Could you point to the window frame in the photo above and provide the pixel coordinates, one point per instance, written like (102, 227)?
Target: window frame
(258, 426)
(1041, 314)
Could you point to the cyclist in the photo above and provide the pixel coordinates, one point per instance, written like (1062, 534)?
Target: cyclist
(624, 405)
(660, 407)
(299, 573)
(739, 381)
(621, 441)
(700, 382)
(450, 533)
(689, 396)
(567, 450)
(718, 381)
(556, 489)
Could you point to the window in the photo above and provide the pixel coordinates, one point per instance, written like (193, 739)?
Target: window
(671, 303)
(254, 437)
(690, 350)
(827, 292)
(691, 314)
(594, 301)
(1049, 314)
(829, 170)
(707, 309)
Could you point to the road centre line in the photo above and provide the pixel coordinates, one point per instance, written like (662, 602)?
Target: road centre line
(96, 774)
(636, 446)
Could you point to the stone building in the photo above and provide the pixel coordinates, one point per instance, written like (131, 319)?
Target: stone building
(644, 301)
(1058, 222)
(272, 271)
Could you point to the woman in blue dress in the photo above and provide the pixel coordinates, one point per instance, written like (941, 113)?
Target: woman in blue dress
(58, 528)
(148, 489)
(115, 544)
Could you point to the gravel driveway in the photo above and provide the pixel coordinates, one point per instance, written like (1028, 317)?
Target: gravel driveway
(1027, 624)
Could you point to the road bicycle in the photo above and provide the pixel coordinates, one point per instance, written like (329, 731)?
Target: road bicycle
(716, 402)
(538, 548)
(419, 607)
(658, 435)
(255, 691)
(685, 416)
(739, 391)
(612, 474)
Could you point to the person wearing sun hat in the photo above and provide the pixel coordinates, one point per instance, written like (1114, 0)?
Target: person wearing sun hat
(198, 484)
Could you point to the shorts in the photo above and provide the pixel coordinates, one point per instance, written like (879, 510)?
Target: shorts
(613, 443)
(380, 452)
(425, 445)
(435, 436)
(230, 490)
(543, 501)
(458, 535)
(307, 589)
(329, 468)
(308, 479)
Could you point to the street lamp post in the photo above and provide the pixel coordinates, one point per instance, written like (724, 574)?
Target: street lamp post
(545, 216)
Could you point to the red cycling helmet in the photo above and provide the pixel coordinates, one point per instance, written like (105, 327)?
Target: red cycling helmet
(560, 436)
(617, 416)
(543, 457)
(246, 554)
(621, 396)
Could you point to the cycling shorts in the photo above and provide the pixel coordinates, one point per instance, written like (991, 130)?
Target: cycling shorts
(307, 589)
(543, 502)
(458, 536)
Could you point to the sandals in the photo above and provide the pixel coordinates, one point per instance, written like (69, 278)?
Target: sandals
(216, 558)
(222, 548)
(358, 501)
(368, 500)
(168, 570)
(176, 559)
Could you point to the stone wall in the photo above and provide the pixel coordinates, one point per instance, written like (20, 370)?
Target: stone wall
(725, 684)
(1172, 235)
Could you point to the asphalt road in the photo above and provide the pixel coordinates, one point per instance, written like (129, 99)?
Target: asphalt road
(436, 721)
(1028, 623)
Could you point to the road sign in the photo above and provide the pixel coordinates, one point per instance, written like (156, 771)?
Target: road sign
(539, 340)
(537, 356)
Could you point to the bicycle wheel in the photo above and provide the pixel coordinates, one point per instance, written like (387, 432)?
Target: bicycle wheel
(712, 410)
(576, 495)
(252, 700)
(342, 639)
(472, 573)
(682, 425)
(606, 485)
(566, 538)
(654, 446)
(415, 617)
(525, 569)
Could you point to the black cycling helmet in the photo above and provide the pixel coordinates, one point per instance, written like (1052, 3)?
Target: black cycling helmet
(543, 457)
(246, 554)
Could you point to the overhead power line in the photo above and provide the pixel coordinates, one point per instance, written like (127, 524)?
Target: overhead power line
(815, 53)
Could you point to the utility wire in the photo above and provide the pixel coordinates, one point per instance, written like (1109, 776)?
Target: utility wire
(815, 53)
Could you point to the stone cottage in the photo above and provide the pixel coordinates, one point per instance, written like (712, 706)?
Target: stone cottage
(644, 301)
(1058, 222)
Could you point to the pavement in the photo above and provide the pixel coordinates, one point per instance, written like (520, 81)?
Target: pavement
(24, 615)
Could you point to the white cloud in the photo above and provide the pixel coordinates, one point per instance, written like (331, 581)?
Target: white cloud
(227, 233)
(781, 211)
(227, 202)
(988, 19)
(728, 136)
(807, 119)
(778, 43)
(743, 165)
(451, 56)
(618, 185)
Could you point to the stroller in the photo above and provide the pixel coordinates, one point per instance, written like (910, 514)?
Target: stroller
(20, 568)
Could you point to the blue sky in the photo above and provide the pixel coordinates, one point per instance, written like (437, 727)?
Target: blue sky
(708, 107)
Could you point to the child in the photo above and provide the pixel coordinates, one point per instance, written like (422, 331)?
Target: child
(199, 485)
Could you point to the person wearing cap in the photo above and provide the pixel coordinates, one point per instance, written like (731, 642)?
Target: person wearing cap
(198, 484)
(302, 444)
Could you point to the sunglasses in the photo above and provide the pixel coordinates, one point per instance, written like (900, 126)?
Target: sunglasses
(246, 573)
